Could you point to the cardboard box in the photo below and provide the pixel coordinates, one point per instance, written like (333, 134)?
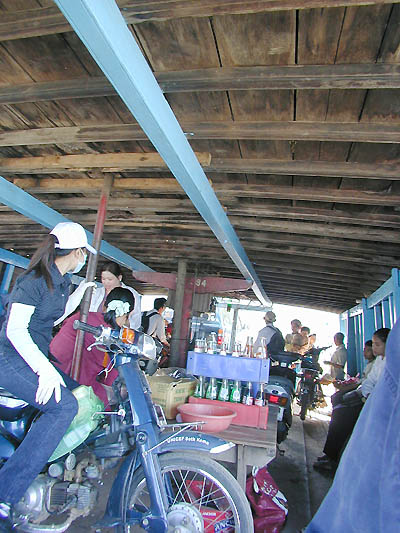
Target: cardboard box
(252, 416)
(169, 392)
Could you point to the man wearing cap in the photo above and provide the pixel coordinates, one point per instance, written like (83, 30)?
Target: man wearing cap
(268, 332)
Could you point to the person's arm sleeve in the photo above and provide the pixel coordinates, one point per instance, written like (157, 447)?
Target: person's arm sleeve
(75, 299)
(369, 383)
(19, 336)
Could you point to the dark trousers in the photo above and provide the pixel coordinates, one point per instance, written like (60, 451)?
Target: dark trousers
(341, 426)
(44, 435)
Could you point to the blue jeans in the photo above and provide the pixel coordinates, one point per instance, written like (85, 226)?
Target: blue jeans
(44, 435)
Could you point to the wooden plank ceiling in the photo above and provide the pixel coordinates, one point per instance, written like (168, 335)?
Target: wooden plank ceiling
(295, 113)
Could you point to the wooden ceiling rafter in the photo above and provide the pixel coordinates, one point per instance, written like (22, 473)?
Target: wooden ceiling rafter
(361, 76)
(384, 132)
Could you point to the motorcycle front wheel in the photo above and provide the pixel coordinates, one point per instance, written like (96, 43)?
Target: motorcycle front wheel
(197, 485)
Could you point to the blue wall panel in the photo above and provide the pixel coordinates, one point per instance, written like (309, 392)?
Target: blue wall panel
(381, 309)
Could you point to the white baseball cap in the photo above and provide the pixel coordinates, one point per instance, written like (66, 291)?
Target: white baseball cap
(71, 235)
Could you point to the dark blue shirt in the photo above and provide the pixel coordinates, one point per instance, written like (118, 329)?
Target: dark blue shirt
(49, 306)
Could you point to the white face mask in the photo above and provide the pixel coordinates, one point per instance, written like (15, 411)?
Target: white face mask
(80, 265)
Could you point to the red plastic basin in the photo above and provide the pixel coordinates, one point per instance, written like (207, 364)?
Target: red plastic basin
(216, 418)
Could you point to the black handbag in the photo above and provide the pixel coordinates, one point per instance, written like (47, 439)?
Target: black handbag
(353, 398)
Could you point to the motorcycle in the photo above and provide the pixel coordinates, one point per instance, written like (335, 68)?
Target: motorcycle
(167, 480)
(280, 389)
(309, 391)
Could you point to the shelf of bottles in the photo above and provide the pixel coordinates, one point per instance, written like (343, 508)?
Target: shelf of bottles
(234, 377)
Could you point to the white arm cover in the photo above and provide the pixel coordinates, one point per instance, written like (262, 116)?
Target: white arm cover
(19, 336)
(75, 299)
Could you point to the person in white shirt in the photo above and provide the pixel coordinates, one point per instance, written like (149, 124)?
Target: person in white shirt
(339, 358)
(345, 414)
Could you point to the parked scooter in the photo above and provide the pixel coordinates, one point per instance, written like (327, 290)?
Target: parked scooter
(163, 483)
(280, 389)
(309, 391)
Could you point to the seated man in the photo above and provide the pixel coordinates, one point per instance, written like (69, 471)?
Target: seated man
(345, 412)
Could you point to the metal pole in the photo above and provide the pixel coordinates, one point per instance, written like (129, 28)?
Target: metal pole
(90, 274)
(178, 307)
(234, 327)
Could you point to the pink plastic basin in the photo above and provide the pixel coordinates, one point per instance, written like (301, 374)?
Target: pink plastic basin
(216, 418)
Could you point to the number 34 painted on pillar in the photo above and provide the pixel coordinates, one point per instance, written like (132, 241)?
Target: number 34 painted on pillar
(200, 282)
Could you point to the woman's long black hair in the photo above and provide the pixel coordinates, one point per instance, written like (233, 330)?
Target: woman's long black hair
(124, 295)
(43, 259)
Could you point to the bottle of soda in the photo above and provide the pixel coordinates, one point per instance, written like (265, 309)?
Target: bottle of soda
(200, 388)
(223, 395)
(260, 396)
(212, 389)
(247, 398)
(235, 393)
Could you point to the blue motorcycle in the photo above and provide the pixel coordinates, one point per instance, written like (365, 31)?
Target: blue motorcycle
(166, 482)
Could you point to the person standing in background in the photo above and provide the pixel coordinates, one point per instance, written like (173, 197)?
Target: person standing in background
(295, 324)
(339, 358)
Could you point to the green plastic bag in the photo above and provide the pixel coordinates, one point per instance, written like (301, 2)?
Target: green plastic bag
(84, 422)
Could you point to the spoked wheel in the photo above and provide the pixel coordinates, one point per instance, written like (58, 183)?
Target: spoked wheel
(203, 496)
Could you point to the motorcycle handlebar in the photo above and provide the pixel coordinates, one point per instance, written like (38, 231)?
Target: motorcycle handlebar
(94, 330)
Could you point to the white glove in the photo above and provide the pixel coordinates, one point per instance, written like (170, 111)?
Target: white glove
(75, 299)
(49, 381)
(17, 332)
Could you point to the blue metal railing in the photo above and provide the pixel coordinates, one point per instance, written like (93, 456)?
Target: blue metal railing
(380, 310)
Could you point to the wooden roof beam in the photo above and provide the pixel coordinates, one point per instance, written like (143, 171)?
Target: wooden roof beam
(357, 76)
(49, 20)
(121, 162)
(181, 205)
(310, 131)
(113, 162)
(242, 190)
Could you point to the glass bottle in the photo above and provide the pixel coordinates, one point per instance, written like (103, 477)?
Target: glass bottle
(200, 388)
(223, 395)
(212, 389)
(235, 393)
(260, 396)
(247, 398)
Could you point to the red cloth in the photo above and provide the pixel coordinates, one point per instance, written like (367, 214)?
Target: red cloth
(62, 347)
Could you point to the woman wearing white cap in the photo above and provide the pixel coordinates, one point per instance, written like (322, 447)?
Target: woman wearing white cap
(37, 300)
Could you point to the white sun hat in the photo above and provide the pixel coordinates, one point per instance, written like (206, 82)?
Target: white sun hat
(71, 235)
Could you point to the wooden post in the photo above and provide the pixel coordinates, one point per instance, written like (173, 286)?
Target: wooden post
(178, 314)
(90, 274)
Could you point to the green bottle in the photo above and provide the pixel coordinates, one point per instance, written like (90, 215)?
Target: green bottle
(235, 392)
(223, 395)
(212, 389)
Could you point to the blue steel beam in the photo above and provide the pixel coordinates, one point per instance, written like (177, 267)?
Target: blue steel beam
(102, 29)
(36, 210)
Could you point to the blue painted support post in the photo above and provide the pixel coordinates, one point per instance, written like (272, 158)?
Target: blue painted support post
(351, 345)
(7, 277)
(396, 294)
(368, 321)
(105, 34)
(5, 282)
